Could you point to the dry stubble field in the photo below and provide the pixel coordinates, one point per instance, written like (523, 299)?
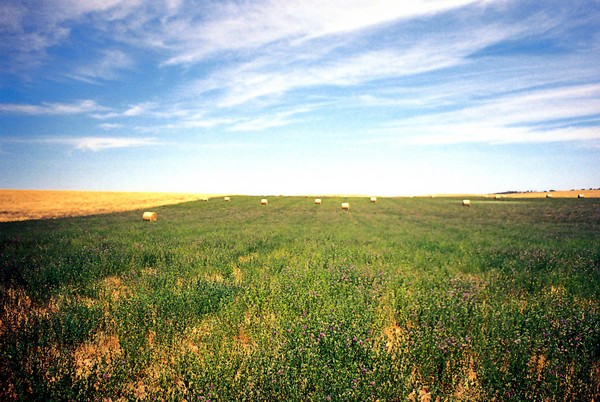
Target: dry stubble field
(20, 205)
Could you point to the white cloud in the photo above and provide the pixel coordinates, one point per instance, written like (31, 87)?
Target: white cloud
(282, 72)
(84, 106)
(96, 144)
(165, 110)
(534, 116)
(187, 123)
(277, 51)
(241, 123)
(89, 143)
(250, 25)
(11, 17)
(483, 133)
(110, 126)
(202, 122)
(533, 106)
(240, 85)
(115, 7)
(29, 29)
(102, 143)
(278, 119)
(135, 110)
(107, 67)
(146, 108)
(194, 30)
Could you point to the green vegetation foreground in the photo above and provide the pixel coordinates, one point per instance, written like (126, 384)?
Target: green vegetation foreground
(403, 299)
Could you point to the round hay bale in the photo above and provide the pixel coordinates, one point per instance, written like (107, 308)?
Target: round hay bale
(317, 201)
(264, 202)
(548, 195)
(373, 199)
(580, 195)
(227, 199)
(345, 206)
(149, 216)
(466, 203)
(497, 197)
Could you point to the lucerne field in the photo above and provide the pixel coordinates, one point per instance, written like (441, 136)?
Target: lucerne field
(403, 299)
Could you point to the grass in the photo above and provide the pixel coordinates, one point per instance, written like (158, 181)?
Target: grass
(403, 299)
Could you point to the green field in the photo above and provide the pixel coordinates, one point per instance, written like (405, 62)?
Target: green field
(403, 299)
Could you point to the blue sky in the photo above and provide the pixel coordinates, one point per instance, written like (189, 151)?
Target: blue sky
(300, 97)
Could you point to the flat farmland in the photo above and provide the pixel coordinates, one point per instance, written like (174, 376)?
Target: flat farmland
(533, 194)
(18, 205)
(558, 194)
(398, 300)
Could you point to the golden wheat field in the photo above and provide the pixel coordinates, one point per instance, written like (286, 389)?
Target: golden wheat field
(19, 205)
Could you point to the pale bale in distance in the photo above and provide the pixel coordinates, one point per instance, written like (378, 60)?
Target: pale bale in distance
(580, 195)
(227, 199)
(264, 201)
(497, 197)
(318, 201)
(345, 206)
(373, 199)
(466, 203)
(149, 216)
(548, 195)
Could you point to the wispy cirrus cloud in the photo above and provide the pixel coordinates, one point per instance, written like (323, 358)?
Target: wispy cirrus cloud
(107, 66)
(187, 32)
(89, 143)
(345, 63)
(557, 114)
(258, 121)
(251, 25)
(102, 143)
(110, 126)
(242, 85)
(281, 50)
(481, 133)
(47, 108)
(136, 110)
(96, 144)
(28, 30)
(165, 109)
(278, 119)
